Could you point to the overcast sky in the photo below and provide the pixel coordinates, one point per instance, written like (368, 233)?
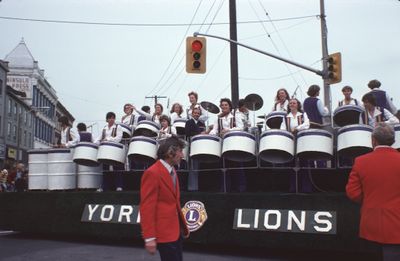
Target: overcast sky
(98, 68)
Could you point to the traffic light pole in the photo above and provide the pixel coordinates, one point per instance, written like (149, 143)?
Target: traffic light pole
(305, 67)
(234, 55)
(325, 55)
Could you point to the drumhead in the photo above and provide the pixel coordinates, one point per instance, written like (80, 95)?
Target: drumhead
(275, 118)
(347, 115)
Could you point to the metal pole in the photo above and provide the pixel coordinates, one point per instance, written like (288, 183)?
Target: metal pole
(324, 40)
(234, 56)
(305, 67)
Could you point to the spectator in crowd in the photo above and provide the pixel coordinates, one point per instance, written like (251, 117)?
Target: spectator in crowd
(374, 182)
(20, 179)
(3, 180)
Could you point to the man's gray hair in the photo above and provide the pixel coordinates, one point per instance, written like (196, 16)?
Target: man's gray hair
(384, 134)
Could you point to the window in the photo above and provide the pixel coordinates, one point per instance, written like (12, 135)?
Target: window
(15, 133)
(9, 106)
(9, 129)
(1, 87)
(25, 138)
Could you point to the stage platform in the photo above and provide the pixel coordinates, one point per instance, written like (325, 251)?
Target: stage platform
(273, 220)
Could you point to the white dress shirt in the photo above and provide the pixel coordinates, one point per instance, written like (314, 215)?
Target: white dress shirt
(65, 140)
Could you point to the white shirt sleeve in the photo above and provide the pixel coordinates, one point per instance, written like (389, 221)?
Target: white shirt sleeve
(306, 123)
(75, 138)
(391, 119)
(322, 110)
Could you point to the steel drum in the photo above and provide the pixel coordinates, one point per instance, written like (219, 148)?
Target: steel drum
(275, 118)
(61, 169)
(239, 146)
(147, 128)
(354, 140)
(85, 153)
(276, 146)
(143, 149)
(205, 148)
(347, 115)
(37, 164)
(111, 153)
(314, 144)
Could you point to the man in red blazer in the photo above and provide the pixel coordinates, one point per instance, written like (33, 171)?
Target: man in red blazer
(374, 182)
(161, 217)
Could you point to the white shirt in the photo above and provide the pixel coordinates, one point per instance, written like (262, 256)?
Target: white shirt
(389, 101)
(244, 119)
(227, 120)
(352, 102)
(174, 116)
(65, 140)
(281, 107)
(108, 134)
(391, 119)
(203, 116)
(294, 123)
(166, 132)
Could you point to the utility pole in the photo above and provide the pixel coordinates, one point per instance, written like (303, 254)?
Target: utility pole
(155, 97)
(324, 39)
(234, 56)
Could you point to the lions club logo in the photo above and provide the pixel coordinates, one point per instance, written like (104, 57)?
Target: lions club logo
(195, 215)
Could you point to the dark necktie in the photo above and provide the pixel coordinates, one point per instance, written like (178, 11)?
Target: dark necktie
(173, 176)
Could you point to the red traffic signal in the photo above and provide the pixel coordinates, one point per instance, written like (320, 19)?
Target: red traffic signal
(195, 54)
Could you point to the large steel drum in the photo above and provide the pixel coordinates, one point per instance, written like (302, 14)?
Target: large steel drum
(205, 148)
(239, 146)
(38, 174)
(354, 140)
(61, 169)
(143, 149)
(276, 146)
(314, 144)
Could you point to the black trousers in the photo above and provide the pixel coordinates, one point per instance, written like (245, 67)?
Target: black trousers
(171, 251)
(390, 252)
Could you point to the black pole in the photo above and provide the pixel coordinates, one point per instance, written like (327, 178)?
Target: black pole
(234, 57)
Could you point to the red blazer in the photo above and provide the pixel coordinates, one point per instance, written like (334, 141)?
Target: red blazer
(374, 182)
(160, 210)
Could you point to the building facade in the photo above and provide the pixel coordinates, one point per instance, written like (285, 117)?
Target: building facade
(25, 76)
(3, 80)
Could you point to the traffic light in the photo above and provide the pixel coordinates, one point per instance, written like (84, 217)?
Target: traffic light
(196, 48)
(335, 68)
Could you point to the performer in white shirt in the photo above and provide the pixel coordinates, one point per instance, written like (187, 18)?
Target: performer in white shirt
(374, 114)
(69, 136)
(193, 98)
(132, 115)
(348, 100)
(176, 112)
(281, 100)
(226, 121)
(111, 132)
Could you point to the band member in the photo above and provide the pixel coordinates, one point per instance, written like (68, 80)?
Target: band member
(176, 112)
(161, 217)
(83, 134)
(348, 100)
(243, 114)
(226, 121)
(235, 180)
(381, 97)
(297, 120)
(69, 137)
(314, 108)
(166, 129)
(374, 114)
(158, 110)
(281, 100)
(193, 98)
(111, 132)
(132, 115)
(194, 127)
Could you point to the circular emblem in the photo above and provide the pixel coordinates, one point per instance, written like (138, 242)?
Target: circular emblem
(195, 214)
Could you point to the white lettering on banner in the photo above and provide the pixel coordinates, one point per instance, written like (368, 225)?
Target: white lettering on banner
(293, 219)
(317, 219)
(267, 225)
(284, 220)
(256, 215)
(110, 213)
(125, 211)
(239, 220)
(91, 211)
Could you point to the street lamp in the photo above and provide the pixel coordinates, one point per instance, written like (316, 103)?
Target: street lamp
(32, 110)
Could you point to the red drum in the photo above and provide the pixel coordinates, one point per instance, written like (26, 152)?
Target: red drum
(276, 146)
(126, 130)
(205, 148)
(179, 125)
(143, 149)
(85, 153)
(239, 146)
(314, 144)
(275, 118)
(347, 115)
(37, 163)
(147, 128)
(354, 140)
(396, 143)
(111, 153)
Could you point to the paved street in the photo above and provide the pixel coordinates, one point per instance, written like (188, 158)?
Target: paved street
(20, 247)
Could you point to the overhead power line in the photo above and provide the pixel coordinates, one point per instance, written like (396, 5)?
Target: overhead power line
(147, 24)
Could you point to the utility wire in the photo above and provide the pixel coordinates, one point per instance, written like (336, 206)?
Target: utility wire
(146, 24)
(177, 50)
